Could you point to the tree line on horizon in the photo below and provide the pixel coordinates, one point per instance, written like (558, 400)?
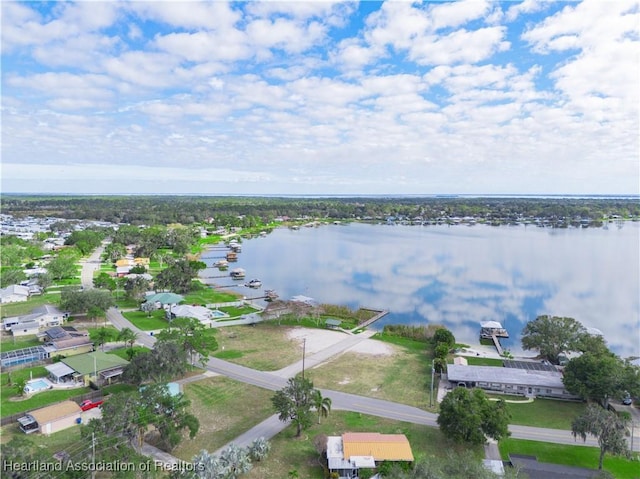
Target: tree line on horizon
(253, 211)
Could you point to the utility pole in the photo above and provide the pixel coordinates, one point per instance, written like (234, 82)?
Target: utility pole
(304, 346)
(93, 455)
(433, 370)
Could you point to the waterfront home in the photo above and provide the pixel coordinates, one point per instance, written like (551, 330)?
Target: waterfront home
(530, 383)
(352, 451)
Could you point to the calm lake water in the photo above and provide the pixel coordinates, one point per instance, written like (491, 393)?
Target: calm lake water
(459, 276)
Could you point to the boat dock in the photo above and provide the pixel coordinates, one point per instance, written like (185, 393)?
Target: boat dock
(374, 319)
(496, 343)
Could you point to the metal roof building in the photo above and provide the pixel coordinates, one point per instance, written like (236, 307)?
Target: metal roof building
(509, 380)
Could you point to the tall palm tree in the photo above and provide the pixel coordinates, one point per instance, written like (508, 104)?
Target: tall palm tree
(127, 336)
(101, 336)
(322, 404)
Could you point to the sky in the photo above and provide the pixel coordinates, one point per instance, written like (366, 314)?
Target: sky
(321, 97)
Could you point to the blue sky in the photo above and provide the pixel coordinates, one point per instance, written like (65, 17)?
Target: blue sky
(321, 97)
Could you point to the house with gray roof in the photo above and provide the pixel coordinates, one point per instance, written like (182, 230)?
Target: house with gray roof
(14, 293)
(45, 316)
(525, 382)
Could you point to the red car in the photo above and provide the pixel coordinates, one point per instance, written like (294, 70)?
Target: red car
(89, 404)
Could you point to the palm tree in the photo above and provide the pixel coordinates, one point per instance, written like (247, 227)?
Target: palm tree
(101, 336)
(127, 336)
(322, 404)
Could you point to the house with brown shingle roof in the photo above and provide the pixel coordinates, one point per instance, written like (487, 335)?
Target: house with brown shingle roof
(352, 451)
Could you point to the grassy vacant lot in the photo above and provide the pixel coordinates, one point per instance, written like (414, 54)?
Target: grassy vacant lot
(143, 321)
(404, 377)
(226, 409)
(264, 346)
(545, 413)
(289, 453)
(209, 296)
(581, 456)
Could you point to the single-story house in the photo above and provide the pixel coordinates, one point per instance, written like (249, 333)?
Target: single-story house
(14, 293)
(509, 380)
(50, 419)
(202, 314)
(45, 315)
(124, 262)
(352, 451)
(122, 271)
(98, 367)
(66, 341)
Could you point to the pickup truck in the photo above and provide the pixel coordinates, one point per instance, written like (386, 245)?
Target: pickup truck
(89, 404)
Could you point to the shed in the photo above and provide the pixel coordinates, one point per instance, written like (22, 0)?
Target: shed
(332, 323)
(50, 419)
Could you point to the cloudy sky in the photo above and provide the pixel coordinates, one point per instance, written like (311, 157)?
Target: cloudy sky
(321, 97)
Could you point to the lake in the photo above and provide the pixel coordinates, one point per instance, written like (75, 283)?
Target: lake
(459, 276)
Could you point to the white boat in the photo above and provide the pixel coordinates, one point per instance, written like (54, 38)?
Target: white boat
(254, 283)
(237, 273)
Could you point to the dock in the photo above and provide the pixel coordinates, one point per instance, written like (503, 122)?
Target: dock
(374, 319)
(496, 343)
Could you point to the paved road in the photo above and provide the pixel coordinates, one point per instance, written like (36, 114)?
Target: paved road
(340, 400)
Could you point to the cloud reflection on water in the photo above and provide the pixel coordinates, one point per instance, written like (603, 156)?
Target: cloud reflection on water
(460, 276)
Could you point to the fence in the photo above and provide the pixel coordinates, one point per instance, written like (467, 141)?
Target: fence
(93, 395)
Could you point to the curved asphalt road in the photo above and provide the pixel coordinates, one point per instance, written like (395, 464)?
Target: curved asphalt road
(340, 400)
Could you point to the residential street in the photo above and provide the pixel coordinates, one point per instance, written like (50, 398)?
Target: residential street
(340, 400)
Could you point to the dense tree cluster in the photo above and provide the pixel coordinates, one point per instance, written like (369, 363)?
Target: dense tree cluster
(252, 211)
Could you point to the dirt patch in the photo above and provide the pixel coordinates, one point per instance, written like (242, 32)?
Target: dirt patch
(318, 339)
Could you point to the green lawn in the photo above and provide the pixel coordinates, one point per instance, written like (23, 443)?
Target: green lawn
(225, 409)
(13, 343)
(124, 351)
(141, 320)
(209, 296)
(582, 456)
(234, 311)
(475, 361)
(42, 399)
(547, 413)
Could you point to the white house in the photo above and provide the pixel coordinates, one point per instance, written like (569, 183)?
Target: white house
(44, 316)
(14, 294)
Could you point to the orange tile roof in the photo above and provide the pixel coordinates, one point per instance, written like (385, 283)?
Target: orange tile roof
(383, 447)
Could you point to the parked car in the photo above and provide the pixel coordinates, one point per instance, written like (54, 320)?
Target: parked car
(627, 400)
(89, 404)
